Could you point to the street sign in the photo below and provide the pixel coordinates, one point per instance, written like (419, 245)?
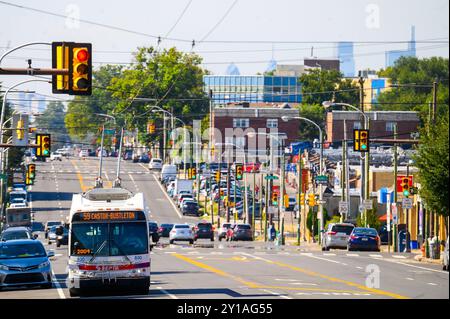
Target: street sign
(3, 176)
(367, 204)
(343, 207)
(407, 203)
(271, 177)
(320, 178)
(109, 132)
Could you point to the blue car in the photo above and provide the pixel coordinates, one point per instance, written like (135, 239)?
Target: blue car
(362, 238)
(24, 263)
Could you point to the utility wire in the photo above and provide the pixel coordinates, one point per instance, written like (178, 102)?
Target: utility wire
(179, 18)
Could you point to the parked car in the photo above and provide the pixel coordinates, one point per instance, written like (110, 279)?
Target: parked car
(153, 231)
(183, 197)
(13, 233)
(222, 233)
(190, 208)
(242, 232)
(164, 230)
(204, 230)
(362, 238)
(24, 263)
(155, 163)
(168, 170)
(336, 236)
(55, 156)
(181, 232)
(84, 153)
(128, 154)
(445, 257)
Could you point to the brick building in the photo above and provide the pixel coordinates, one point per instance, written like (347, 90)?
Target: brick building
(235, 123)
(381, 124)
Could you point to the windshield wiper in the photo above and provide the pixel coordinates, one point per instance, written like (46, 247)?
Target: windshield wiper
(98, 250)
(121, 251)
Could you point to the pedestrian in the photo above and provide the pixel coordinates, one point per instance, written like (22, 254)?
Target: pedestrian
(229, 234)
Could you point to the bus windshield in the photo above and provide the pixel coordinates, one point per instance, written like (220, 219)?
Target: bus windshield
(109, 239)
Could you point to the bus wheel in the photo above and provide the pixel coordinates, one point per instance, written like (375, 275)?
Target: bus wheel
(73, 292)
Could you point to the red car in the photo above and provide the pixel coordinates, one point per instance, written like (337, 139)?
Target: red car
(250, 167)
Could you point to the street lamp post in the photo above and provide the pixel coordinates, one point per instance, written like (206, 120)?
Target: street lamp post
(364, 192)
(286, 118)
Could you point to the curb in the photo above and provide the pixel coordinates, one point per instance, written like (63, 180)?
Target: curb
(428, 260)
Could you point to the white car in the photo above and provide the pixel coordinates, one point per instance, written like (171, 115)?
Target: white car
(155, 163)
(84, 153)
(105, 153)
(55, 156)
(181, 232)
(18, 205)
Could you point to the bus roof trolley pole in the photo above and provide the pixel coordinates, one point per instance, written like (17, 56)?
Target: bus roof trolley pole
(118, 181)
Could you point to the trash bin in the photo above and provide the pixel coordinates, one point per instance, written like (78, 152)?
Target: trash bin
(401, 241)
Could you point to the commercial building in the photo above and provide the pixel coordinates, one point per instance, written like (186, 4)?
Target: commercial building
(346, 59)
(324, 64)
(372, 86)
(253, 89)
(381, 124)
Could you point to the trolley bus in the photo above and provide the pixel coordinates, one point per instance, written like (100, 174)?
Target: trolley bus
(109, 241)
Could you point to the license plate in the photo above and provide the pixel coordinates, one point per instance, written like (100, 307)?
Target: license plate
(342, 238)
(364, 239)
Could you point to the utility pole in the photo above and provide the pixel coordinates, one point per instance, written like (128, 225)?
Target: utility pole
(408, 245)
(394, 226)
(299, 192)
(228, 189)
(254, 201)
(261, 184)
(164, 139)
(433, 114)
(343, 168)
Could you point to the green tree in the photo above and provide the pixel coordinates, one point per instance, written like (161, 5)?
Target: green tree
(315, 113)
(172, 78)
(80, 120)
(52, 121)
(415, 77)
(432, 161)
(373, 220)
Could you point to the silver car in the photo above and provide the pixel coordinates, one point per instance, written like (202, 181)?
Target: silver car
(336, 236)
(181, 232)
(24, 263)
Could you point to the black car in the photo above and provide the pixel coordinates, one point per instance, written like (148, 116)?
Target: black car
(164, 230)
(204, 230)
(153, 231)
(242, 232)
(190, 208)
(62, 235)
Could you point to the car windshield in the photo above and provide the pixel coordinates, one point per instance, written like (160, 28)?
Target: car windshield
(204, 226)
(109, 239)
(166, 225)
(365, 231)
(21, 251)
(49, 224)
(37, 226)
(182, 226)
(243, 227)
(11, 235)
(347, 229)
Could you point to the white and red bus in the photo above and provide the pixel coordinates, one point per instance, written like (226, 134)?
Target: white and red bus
(109, 242)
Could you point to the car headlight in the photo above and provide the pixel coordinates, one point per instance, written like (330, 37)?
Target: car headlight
(3, 267)
(44, 264)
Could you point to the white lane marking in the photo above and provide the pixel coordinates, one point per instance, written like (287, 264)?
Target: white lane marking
(134, 182)
(358, 267)
(432, 284)
(216, 253)
(303, 283)
(329, 254)
(144, 167)
(170, 200)
(407, 278)
(326, 259)
(424, 268)
(170, 252)
(282, 279)
(167, 293)
(375, 256)
(276, 294)
(398, 256)
(352, 255)
(58, 286)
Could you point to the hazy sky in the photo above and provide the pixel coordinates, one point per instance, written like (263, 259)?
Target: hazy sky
(255, 20)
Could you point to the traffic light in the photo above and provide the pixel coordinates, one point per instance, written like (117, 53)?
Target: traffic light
(150, 127)
(77, 59)
(28, 180)
(311, 199)
(361, 140)
(192, 173)
(405, 186)
(20, 130)
(302, 199)
(31, 171)
(274, 198)
(217, 176)
(286, 200)
(239, 172)
(43, 142)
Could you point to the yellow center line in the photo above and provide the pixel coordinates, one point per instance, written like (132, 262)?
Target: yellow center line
(80, 177)
(348, 283)
(254, 285)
